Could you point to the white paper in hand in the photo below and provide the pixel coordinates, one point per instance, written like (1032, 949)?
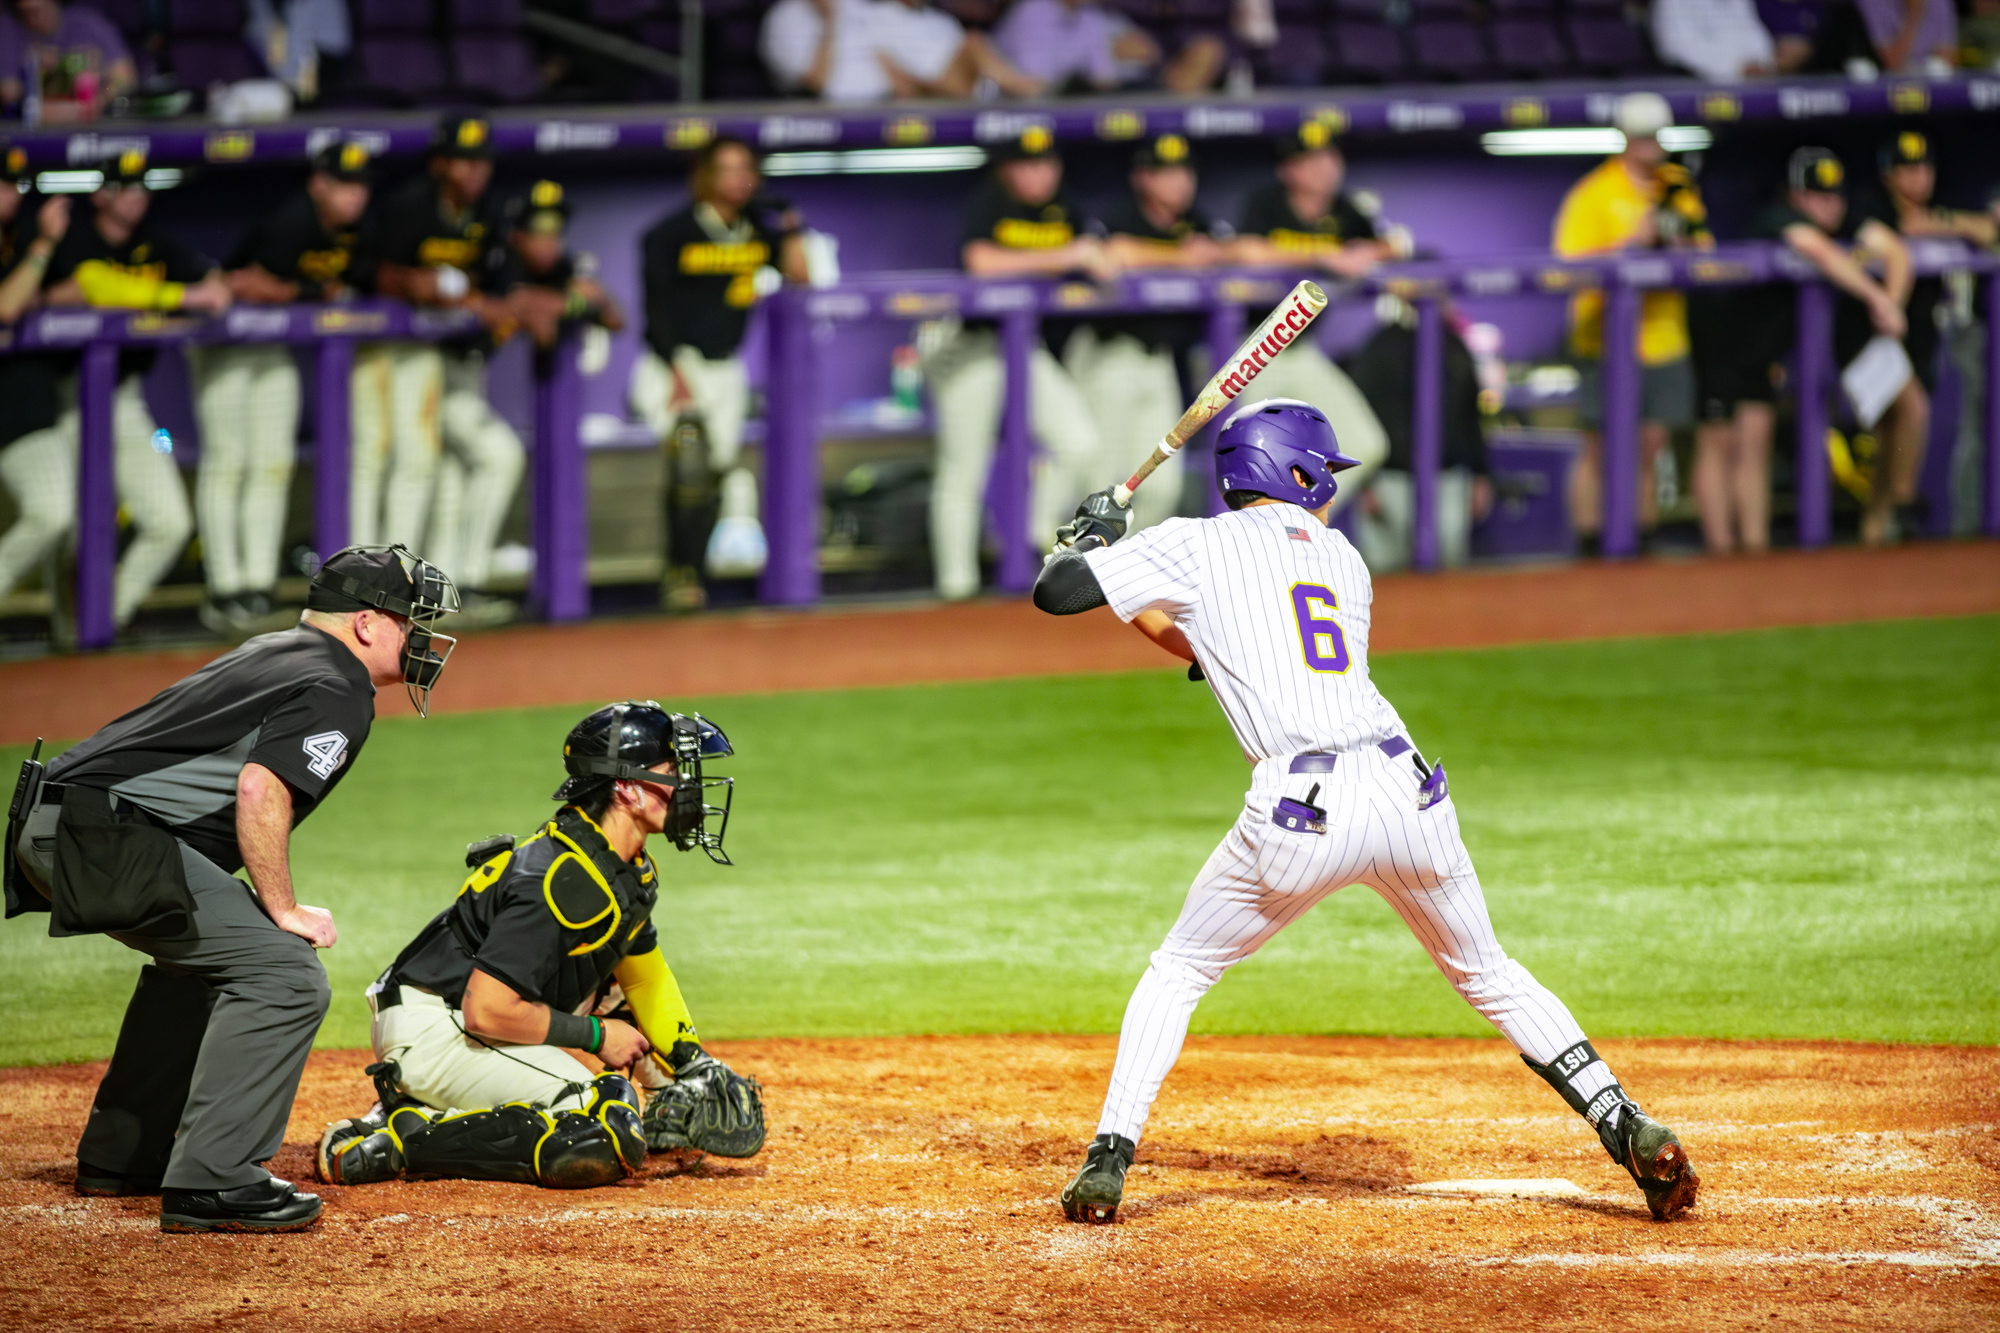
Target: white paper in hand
(1873, 379)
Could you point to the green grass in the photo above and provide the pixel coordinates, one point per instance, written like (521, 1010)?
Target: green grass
(1782, 834)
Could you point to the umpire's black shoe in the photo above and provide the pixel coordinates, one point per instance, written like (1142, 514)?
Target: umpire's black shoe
(96, 1184)
(268, 1205)
(1094, 1194)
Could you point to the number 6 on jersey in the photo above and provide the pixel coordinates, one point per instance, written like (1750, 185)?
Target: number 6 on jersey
(1320, 637)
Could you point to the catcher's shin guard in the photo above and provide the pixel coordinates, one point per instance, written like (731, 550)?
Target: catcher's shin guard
(529, 1144)
(1647, 1149)
(1094, 1193)
(362, 1151)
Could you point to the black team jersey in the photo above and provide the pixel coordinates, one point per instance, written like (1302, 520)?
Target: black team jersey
(1175, 333)
(293, 245)
(700, 276)
(997, 216)
(147, 253)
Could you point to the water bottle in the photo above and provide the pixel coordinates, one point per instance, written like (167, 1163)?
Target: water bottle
(163, 441)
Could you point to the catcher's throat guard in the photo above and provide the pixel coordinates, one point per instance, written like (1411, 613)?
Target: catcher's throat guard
(626, 742)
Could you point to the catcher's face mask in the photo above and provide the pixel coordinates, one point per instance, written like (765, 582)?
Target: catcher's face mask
(696, 738)
(626, 741)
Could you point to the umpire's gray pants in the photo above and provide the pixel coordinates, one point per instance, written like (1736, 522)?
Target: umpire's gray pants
(266, 993)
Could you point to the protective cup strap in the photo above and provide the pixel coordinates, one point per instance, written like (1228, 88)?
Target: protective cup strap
(1582, 1078)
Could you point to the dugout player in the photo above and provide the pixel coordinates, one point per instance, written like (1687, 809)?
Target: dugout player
(701, 266)
(37, 461)
(1813, 218)
(542, 283)
(137, 833)
(454, 462)
(1303, 219)
(247, 396)
(116, 257)
(1272, 608)
(1129, 368)
(1018, 223)
(486, 1009)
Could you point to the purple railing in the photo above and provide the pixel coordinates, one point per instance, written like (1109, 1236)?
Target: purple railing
(559, 516)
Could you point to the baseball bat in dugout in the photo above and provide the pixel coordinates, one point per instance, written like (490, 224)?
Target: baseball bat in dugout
(1284, 324)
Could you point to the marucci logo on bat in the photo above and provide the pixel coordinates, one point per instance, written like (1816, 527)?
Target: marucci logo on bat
(1280, 337)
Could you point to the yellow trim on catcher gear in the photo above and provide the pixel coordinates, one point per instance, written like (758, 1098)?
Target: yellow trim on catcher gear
(582, 858)
(535, 1160)
(488, 873)
(656, 1001)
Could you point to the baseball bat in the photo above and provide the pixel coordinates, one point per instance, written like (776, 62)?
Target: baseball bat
(1276, 333)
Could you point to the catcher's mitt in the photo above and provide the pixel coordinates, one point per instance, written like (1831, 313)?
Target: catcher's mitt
(709, 1107)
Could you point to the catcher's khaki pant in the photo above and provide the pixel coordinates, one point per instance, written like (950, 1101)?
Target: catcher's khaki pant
(445, 1068)
(968, 386)
(1303, 371)
(149, 487)
(476, 477)
(1388, 535)
(1135, 398)
(248, 402)
(393, 428)
(40, 470)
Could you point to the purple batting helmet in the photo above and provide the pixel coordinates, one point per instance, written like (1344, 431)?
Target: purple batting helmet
(1261, 444)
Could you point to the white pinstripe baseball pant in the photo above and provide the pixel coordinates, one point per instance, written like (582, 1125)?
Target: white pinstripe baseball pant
(1262, 878)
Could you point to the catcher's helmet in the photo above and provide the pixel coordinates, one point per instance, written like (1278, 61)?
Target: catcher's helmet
(1260, 445)
(624, 742)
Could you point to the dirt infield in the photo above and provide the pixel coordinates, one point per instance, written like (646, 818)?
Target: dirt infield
(768, 650)
(911, 1184)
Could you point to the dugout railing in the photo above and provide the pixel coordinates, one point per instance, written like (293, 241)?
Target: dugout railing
(557, 501)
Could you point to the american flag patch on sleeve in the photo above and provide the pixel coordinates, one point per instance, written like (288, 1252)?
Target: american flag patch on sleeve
(1298, 534)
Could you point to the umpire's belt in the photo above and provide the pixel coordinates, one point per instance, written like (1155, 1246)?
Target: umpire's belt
(1322, 761)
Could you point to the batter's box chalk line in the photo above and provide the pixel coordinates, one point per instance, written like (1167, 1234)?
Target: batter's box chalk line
(1546, 1188)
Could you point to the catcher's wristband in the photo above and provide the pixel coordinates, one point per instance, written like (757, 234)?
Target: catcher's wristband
(571, 1031)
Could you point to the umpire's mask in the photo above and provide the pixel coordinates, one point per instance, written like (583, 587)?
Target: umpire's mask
(396, 580)
(623, 742)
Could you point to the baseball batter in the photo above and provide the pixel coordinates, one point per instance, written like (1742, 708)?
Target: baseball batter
(1272, 608)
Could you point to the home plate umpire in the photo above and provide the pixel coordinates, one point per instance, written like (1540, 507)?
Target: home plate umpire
(137, 833)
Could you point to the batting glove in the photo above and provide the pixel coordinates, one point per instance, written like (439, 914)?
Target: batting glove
(1100, 520)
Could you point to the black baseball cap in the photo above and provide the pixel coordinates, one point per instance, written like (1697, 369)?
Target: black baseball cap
(1907, 149)
(1036, 141)
(464, 137)
(386, 578)
(544, 209)
(126, 168)
(1816, 171)
(1311, 137)
(349, 162)
(1166, 150)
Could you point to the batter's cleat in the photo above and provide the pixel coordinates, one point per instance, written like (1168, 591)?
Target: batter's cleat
(1094, 1194)
(360, 1151)
(95, 1184)
(1658, 1163)
(270, 1205)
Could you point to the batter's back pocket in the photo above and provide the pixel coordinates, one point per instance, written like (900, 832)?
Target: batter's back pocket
(1300, 816)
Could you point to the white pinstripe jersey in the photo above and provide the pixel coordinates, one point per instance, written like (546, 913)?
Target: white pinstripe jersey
(1276, 607)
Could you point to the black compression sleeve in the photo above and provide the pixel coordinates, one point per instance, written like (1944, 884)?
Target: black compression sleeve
(1066, 586)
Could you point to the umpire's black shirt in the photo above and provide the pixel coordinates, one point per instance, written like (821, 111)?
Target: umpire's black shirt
(293, 245)
(700, 274)
(299, 702)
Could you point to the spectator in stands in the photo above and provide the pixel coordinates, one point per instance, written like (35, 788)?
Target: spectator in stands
(701, 268)
(544, 284)
(1079, 46)
(1816, 36)
(292, 37)
(68, 60)
(247, 395)
(37, 460)
(1912, 36)
(1304, 220)
(1019, 223)
(1128, 367)
(1732, 483)
(1722, 41)
(119, 259)
(873, 50)
(1979, 36)
(435, 241)
(1636, 200)
(1385, 372)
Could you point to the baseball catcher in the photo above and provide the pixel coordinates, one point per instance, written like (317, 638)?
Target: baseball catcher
(486, 1025)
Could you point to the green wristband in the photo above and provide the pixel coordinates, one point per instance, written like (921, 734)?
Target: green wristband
(596, 1035)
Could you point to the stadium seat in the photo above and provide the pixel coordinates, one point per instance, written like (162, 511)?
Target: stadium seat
(620, 13)
(1296, 12)
(371, 16)
(400, 68)
(484, 15)
(1529, 46)
(185, 18)
(1607, 43)
(1297, 60)
(495, 66)
(1364, 52)
(1452, 49)
(199, 62)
